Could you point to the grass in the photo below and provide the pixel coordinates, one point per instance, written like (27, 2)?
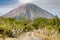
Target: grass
(37, 33)
(1, 39)
(46, 37)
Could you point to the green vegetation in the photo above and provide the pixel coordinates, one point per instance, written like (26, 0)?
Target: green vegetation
(12, 27)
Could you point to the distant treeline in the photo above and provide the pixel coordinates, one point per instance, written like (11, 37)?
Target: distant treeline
(7, 25)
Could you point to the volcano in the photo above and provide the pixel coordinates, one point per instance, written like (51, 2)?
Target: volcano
(28, 10)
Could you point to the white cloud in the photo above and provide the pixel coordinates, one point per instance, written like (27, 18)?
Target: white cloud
(25, 1)
(6, 8)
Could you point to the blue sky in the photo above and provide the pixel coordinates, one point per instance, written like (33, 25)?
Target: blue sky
(52, 6)
(6, 2)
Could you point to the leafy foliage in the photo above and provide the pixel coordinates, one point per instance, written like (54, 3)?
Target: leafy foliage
(24, 25)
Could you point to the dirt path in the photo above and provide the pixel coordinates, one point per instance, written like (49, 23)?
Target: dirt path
(28, 36)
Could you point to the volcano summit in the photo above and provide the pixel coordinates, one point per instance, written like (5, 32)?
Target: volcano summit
(28, 10)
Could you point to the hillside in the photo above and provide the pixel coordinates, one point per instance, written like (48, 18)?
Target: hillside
(28, 10)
